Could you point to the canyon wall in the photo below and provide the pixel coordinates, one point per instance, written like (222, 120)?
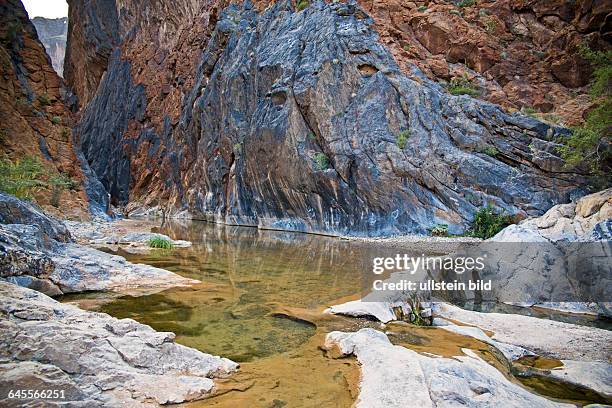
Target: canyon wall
(35, 119)
(52, 33)
(259, 114)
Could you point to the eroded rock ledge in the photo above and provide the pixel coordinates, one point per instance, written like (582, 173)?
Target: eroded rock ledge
(95, 359)
(38, 252)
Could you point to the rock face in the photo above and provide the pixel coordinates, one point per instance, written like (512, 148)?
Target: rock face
(96, 360)
(520, 54)
(53, 33)
(394, 376)
(35, 118)
(295, 120)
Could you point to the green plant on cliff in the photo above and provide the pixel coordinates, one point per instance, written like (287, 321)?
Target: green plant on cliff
(402, 139)
(462, 86)
(56, 120)
(58, 183)
(22, 177)
(302, 4)
(487, 222)
(322, 161)
(43, 99)
(466, 3)
(160, 243)
(489, 150)
(590, 145)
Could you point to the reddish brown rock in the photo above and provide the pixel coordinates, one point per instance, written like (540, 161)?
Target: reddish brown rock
(34, 120)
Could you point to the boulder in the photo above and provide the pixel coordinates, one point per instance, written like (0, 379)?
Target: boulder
(394, 376)
(98, 360)
(16, 211)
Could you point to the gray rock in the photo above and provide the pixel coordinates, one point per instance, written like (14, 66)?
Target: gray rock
(79, 268)
(16, 211)
(394, 376)
(292, 123)
(99, 359)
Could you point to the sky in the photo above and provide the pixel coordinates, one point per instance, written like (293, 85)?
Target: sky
(46, 8)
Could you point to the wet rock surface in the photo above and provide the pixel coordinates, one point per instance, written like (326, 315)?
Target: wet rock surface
(95, 359)
(394, 376)
(313, 145)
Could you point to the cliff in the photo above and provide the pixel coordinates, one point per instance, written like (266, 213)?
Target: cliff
(35, 118)
(320, 120)
(52, 33)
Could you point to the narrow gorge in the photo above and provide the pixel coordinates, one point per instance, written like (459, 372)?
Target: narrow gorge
(201, 199)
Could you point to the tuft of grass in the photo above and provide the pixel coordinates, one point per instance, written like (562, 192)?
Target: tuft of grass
(421, 9)
(56, 120)
(455, 12)
(3, 135)
(466, 3)
(463, 86)
(490, 25)
(489, 150)
(160, 243)
(416, 308)
(22, 177)
(402, 139)
(302, 4)
(44, 100)
(487, 223)
(322, 161)
(439, 230)
(237, 148)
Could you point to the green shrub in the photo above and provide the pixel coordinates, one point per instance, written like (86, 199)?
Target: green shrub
(402, 139)
(487, 223)
(490, 25)
(462, 86)
(455, 12)
(439, 230)
(56, 120)
(302, 4)
(237, 148)
(590, 145)
(22, 177)
(44, 100)
(160, 243)
(489, 150)
(59, 182)
(322, 161)
(421, 9)
(466, 3)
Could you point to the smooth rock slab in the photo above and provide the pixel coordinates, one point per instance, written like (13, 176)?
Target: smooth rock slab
(394, 376)
(106, 360)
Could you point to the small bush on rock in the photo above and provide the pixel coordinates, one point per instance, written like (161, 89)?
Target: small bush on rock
(22, 177)
(402, 139)
(463, 86)
(439, 230)
(302, 4)
(487, 223)
(322, 161)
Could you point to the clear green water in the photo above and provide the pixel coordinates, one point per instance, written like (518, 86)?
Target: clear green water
(260, 304)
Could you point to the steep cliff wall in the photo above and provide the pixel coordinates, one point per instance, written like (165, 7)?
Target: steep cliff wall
(52, 33)
(297, 120)
(520, 54)
(34, 120)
